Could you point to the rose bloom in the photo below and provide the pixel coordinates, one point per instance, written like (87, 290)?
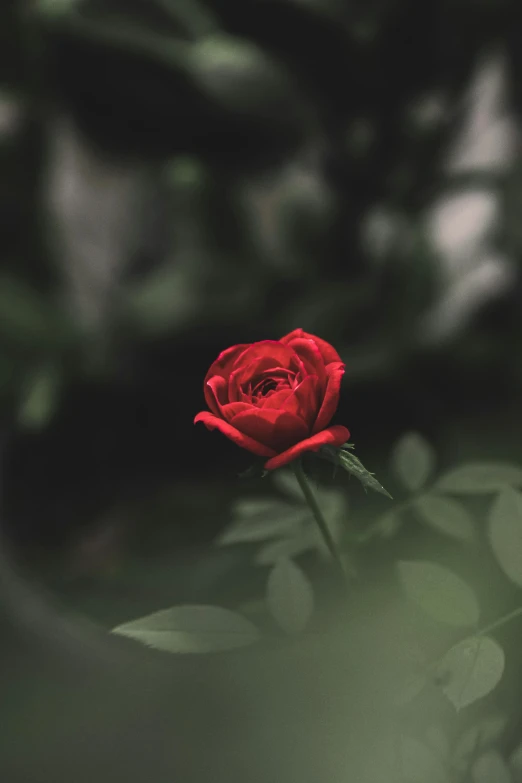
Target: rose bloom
(276, 398)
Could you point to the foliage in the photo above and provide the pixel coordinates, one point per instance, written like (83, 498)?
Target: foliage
(181, 176)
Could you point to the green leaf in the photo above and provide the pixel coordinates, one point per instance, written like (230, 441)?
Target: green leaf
(164, 300)
(470, 670)
(387, 525)
(352, 464)
(413, 460)
(492, 728)
(410, 689)
(56, 7)
(192, 15)
(491, 767)
(480, 478)
(258, 519)
(439, 592)
(29, 319)
(505, 533)
(241, 77)
(272, 553)
(286, 482)
(40, 397)
(438, 740)
(475, 738)
(445, 515)
(419, 763)
(191, 629)
(515, 762)
(289, 596)
(254, 471)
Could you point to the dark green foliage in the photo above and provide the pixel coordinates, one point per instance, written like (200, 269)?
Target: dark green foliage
(274, 164)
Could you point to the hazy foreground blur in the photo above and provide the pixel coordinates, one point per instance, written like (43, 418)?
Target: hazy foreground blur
(177, 177)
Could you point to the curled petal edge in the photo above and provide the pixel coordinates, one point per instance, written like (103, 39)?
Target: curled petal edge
(212, 422)
(333, 436)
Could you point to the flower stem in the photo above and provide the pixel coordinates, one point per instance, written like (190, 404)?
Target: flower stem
(504, 620)
(318, 516)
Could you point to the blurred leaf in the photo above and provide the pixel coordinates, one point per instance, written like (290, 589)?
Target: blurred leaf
(387, 525)
(193, 15)
(333, 502)
(286, 482)
(240, 76)
(470, 670)
(515, 761)
(410, 689)
(27, 317)
(438, 741)
(40, 397)
(292, 525)
(352, 464)
(58, 7)
(191, 629)
(439, 592)
(480, 477)
(260, 519)
(272, 553)
(505, 533)
(445, 515)
(289, 596)
(254, 471)
(491, 767)
(413, 460)
(306, 539)
(418, 762)
(492, 728)
(476, 737)
(164, 300)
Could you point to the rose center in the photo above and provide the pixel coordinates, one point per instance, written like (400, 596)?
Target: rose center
(265, 386)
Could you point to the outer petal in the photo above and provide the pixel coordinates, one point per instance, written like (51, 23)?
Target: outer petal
(331, 396)
(333, 436)
(231, 409)
(221, 367)
(328, 353)
(274, 428)
(216, 394)
(213, 422)
(311, 357)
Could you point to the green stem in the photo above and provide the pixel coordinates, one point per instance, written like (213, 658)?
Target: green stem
(318, 516)
(501, 621)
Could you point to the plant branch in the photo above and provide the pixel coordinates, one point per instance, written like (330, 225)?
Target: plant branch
(318, 516)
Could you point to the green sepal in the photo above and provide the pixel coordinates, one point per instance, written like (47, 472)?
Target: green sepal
(342, 456)
(254, 471)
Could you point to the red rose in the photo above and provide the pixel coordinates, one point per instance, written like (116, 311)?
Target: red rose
(276, 397)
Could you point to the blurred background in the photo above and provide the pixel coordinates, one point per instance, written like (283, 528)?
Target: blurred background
(178, 176)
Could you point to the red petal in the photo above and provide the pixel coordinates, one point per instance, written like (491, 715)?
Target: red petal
(231, 409)
(330, 402)
(311, 357)
(217, 394)
(303, 401)
(276, 399)
(328, 352)
(212, 422)
(221, 367)
(281, 355)
(333, 436)
(275, 428)
(260, 368)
